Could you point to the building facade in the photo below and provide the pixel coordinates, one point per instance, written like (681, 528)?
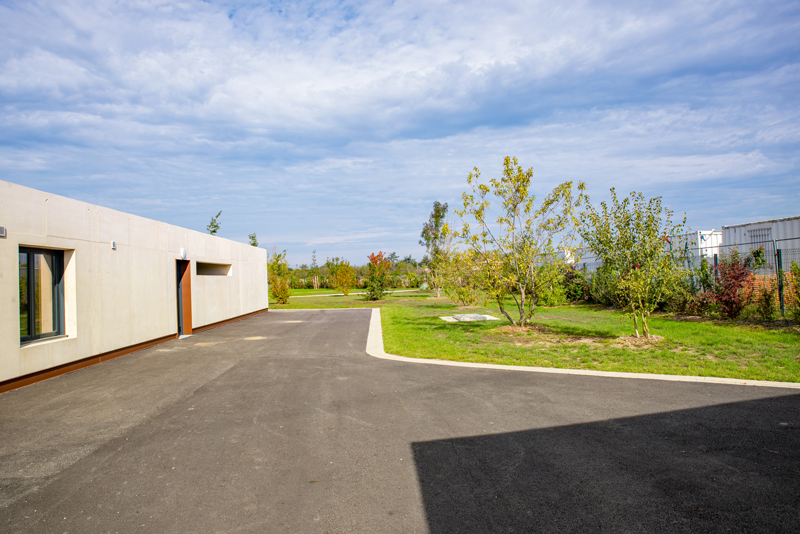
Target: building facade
(80, 283)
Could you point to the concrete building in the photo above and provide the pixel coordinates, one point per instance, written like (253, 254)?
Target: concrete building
(80, 284)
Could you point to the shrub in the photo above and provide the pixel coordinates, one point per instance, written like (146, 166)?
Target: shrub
(793, 287)
(732, 289)
(603, 287)
(378, 277)
(765, 300)
(576, 285)
(703, 304)
(278, 270)
(554, 293)
(413, 280)
(279, 287)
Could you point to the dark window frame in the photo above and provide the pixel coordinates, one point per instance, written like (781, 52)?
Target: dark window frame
(58, 294)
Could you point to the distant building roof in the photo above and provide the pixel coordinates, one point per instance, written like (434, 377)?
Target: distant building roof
(762, 222)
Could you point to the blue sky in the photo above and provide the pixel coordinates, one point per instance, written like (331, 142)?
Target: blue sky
(335, 125)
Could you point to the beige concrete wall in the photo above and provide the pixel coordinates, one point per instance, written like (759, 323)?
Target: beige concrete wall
(114, 298)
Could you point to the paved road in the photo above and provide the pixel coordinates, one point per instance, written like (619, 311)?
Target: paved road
(302, 431)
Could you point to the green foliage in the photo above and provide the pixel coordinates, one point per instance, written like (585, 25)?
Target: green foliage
(765, 300)
(704, 276)
(793, 286)
(213, 226)
(278, 270)
(576, 284)
(630, 237)
(520, 253)
(435, 239)
(554, 294)
(314, 269)
(253, 239)
(344, 276)
(702, 304)
(759, 258)
(457, 275)
(603, 288)
(410, 261)
(693, 292)
(279, 287)
(378, 277)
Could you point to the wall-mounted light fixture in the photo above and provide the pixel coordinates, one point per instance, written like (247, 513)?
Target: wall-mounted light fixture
(3, 232)
(113, 245)
(183, 253)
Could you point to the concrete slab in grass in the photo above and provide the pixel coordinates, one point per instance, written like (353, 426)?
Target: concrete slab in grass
(467, 317)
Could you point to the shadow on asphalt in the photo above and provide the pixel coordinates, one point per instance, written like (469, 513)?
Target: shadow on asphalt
(726, 468)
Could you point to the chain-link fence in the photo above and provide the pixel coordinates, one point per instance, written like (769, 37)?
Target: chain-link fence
(772, 260)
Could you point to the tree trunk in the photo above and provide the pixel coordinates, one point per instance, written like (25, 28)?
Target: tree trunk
(504, 312)
(635, 325)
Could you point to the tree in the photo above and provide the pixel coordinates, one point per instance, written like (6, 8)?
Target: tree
(378, 277)
(632, 239)
(278, 269)
(459, 277)
(213, 226)
(409, 260)
(434, 239)
(340, 274)
(344, 277)
(253, 239)
(314, 271)
(523, 252)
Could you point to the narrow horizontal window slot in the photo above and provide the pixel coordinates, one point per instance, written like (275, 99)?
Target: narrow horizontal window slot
(213, 269)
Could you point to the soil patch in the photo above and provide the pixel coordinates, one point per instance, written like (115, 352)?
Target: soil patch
(633, 341)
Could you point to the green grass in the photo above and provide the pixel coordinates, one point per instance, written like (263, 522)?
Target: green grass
(580, 337)
(308, 293)
(328, 298)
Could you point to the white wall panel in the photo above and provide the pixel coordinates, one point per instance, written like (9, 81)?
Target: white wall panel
(115, 298)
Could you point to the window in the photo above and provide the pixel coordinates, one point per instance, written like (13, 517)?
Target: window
(213, 269)
(41, 294)
(762, 238)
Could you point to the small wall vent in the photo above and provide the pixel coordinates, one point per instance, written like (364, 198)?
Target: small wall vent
(3, 232)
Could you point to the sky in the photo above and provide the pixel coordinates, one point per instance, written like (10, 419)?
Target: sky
(334, 125)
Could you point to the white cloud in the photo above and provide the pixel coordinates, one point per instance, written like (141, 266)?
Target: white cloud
(349, 118)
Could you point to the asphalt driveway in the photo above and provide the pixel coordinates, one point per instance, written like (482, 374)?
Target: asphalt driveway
(283, 423)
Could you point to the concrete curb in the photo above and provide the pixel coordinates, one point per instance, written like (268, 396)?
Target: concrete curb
(375, 349)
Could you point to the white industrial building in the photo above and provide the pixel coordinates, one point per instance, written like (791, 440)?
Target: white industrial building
(80, 284)
(762, 231)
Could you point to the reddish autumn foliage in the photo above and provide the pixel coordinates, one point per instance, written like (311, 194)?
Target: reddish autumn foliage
(732, 290)
(378, 263)
(377, 280)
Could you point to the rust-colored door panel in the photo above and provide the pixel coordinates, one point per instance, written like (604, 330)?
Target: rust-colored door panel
(184, 281)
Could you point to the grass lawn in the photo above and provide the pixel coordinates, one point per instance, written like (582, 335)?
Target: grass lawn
(580, 337)
(322, 292)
